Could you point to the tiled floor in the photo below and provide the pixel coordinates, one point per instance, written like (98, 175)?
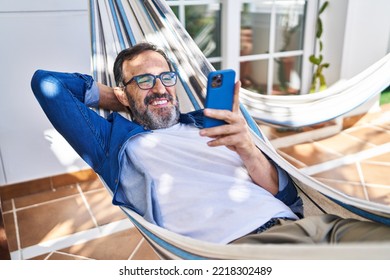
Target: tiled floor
(71, 222)
(79, 222)
(355, 161)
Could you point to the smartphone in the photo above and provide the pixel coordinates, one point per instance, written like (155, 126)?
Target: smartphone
(220, 93)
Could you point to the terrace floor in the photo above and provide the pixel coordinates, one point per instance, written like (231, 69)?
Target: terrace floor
(78, 221)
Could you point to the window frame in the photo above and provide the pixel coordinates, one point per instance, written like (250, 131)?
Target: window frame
(230, 45)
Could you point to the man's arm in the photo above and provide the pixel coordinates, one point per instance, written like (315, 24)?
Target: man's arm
(236, 136)
(64, 99)
(108, 100)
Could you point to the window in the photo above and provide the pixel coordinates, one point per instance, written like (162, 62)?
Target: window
(202, 20)
(267, 38)
(272, 46)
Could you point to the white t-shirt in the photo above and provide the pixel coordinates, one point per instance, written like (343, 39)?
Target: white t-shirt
(203, 192)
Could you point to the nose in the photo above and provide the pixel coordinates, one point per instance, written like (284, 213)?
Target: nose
(158, 87)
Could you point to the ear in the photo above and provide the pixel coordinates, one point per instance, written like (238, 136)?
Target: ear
(121, 95)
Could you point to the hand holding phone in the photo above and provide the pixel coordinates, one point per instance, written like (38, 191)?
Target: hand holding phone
(220, 94)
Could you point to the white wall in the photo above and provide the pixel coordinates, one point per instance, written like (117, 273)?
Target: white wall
(48, 34)
(367, 35)
(356, 35)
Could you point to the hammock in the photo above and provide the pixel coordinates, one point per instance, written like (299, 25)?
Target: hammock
(302, 110)
(120, 24)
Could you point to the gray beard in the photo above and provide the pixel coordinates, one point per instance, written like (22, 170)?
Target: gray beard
(156, 119)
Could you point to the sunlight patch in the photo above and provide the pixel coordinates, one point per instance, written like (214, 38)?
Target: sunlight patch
(148, 142)
(165, 184)
(239, 193)
(49, 88)
(64, 153)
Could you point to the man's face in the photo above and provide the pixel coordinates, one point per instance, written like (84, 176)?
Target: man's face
(153, 108)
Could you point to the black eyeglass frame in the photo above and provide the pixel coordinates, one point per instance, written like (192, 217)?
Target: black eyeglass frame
(136, 78)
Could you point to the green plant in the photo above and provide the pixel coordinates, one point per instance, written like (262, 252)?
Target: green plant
(385, 96)
(318, 80)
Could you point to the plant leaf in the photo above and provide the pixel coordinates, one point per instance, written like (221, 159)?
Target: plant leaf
(314, 60)
(323, 7)
(320, 58)
(322, 80)
(319, 28)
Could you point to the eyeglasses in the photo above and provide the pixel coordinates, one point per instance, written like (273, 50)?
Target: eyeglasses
(147, 81)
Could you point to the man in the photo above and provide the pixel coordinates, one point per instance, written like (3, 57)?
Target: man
(210, 184)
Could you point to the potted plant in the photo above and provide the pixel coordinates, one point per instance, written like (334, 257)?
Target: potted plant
(318, 80)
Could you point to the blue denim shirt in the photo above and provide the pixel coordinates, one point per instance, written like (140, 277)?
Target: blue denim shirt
(65, 99)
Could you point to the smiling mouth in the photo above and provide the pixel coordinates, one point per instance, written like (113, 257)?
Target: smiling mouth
(158, 102)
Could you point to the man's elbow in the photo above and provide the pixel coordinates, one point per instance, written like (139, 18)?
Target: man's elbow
(37, 79)
(44, 84)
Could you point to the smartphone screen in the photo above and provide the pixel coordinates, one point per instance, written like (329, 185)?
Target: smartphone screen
(220, 93)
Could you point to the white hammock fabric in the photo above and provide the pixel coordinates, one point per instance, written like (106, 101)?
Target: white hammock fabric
(308, 109)
(120, 24)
